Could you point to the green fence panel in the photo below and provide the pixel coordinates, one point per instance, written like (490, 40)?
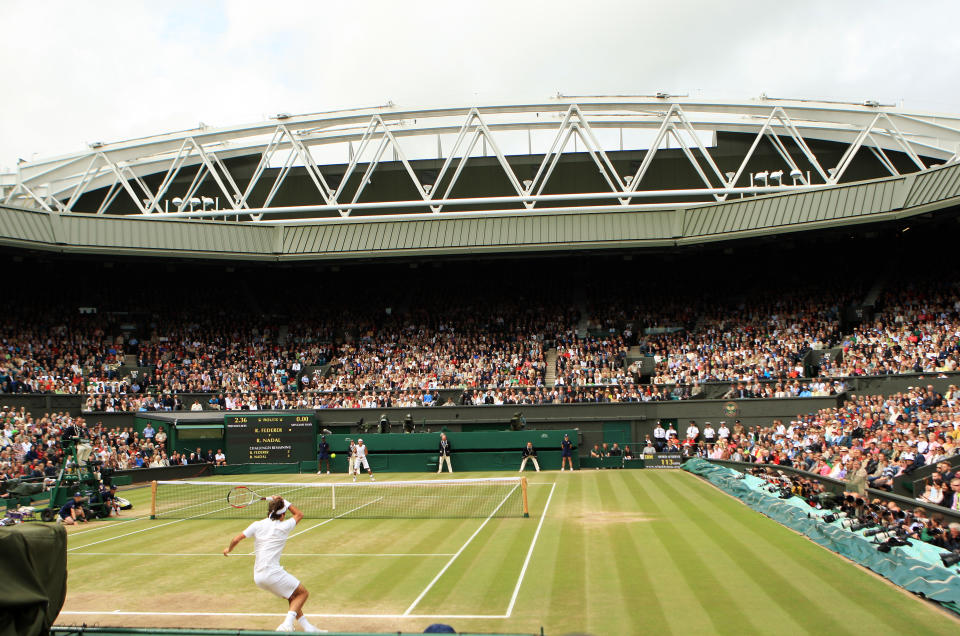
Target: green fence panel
(616, 433)
(487, 440)
(461, 461)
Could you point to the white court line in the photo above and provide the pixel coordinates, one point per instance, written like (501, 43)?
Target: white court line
(269, 614)
(326, 521)
(342, 514)
(220, 554)
(108, 525)
(526, 562)
(127, 534)
(462, 548)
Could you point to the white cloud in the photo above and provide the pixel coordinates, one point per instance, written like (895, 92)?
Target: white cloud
(81, 72)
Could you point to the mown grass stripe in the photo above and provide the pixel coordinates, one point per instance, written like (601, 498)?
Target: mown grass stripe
(675, 575)
(740, 593)
(835, 574)
(799, 602)
(695, 601)
(401, 575)
(708, 580)
(567, 594)
(834, 579)
(486, 568)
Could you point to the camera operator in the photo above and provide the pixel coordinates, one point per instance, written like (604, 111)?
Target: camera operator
(918, 523)
(934, 529)
(950, 540)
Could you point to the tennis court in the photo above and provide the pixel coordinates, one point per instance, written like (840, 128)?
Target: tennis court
(606, 552)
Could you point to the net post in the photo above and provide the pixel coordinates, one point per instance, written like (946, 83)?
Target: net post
(153, 499)
(523, 487)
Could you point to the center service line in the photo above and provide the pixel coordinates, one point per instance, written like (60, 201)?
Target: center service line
(526, 562)
(458, 552)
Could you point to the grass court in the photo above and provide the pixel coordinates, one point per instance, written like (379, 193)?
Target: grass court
(603, 552)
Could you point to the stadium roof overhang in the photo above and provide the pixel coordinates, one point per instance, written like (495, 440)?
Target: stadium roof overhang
(506, 232)
(573, 173)
(193, 173)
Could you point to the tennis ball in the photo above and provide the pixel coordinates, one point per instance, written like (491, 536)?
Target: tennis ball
(333, 455)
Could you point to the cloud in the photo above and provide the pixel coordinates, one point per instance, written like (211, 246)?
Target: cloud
(78, 72)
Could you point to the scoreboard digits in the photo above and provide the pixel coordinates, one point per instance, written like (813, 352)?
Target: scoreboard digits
(269, 438)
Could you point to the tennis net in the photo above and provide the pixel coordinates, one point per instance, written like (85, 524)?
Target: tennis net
(423, 499)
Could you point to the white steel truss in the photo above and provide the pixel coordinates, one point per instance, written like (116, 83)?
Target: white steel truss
(162, 176)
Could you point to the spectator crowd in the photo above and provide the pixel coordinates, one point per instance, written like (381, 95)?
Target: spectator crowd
(33, 448)
(530, 350)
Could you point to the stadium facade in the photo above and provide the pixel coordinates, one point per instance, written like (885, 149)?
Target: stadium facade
(573, 173)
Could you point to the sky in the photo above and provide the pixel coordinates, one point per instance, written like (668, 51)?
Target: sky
(79, 72)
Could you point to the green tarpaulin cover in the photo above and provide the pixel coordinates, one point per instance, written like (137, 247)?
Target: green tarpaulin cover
(33, 577)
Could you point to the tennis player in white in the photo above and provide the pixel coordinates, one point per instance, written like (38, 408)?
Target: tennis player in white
(269, 538)
(361, 460)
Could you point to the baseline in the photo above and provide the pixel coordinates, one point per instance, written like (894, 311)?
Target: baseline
(220, 554)
(272, 614)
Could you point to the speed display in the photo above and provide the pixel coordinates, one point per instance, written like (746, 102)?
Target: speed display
(269, 438)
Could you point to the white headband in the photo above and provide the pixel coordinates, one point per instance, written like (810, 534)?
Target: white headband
(286, 505)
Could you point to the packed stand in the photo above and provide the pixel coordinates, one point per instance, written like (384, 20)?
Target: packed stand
(917, 330)
(868, 442)
(747, 341)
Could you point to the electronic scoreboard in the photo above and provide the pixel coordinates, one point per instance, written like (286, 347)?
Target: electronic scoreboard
(270, 438)
(663, 460)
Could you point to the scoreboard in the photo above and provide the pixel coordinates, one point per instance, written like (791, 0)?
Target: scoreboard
(663, 460)
(270, 438)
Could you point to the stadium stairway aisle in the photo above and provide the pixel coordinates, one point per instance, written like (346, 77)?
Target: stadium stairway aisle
(551, 375)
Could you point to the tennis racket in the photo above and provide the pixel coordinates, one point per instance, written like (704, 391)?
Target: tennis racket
(241, 497)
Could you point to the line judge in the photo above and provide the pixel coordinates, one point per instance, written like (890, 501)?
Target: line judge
(445, 450)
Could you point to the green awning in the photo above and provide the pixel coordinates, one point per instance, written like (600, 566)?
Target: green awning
(198, 426)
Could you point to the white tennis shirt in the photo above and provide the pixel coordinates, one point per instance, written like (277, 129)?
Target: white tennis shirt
(269, 538)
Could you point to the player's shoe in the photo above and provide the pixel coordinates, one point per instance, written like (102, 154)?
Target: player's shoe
(286, 627)
(328, 472)
(354, 478)
(319, 472)
(372, 479)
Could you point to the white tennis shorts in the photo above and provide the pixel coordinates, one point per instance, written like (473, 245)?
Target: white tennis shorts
(361, 461)
(279, 582)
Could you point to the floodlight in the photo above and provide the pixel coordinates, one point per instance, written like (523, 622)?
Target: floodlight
(527, 183)
(207, 202)
(177, 201)
(761, 175)
(796, 175)
(777, 175)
